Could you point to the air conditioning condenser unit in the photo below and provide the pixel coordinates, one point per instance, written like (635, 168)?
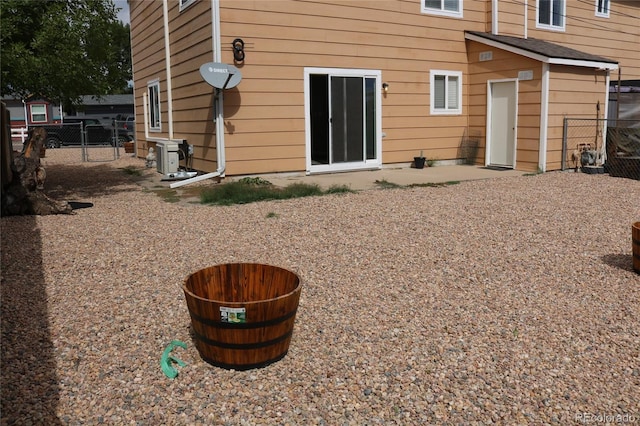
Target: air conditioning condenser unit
(167, 158)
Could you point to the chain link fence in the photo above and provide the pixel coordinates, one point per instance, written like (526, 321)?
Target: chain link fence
(86, 140)
(584, 147)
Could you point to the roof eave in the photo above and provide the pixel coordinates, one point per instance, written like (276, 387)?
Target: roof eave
(542, 58)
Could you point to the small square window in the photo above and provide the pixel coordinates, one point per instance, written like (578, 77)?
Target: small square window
(446, 92)
(38, 113)
(153, 90)
(442, 7)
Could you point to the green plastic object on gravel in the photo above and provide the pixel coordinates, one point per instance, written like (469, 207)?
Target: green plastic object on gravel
(167, 359)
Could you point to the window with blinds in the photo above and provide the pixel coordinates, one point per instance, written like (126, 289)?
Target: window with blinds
(446, 92)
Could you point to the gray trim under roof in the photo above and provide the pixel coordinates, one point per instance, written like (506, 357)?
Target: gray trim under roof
(542, 50)
(126, 99)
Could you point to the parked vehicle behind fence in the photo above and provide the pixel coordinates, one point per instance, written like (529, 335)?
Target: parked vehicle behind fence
(73, 129)
(126, 126)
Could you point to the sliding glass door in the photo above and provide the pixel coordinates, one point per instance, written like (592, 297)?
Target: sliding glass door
(343, 121)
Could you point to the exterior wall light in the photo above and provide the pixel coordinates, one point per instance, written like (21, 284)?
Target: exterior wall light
(385, 87)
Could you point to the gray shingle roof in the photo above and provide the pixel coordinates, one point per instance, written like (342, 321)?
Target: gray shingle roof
(541, 47)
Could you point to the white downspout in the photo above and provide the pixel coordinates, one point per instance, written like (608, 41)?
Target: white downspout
(494, 17)
(26, 117)
(146, 118)
(219, 104)
(167, 60)
(526, 19)
(544, 118)
(217, 57)
(603, 156)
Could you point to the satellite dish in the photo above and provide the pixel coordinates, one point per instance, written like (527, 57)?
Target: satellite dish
(220, 75)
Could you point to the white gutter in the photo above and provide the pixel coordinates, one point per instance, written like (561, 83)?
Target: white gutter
(218, 101)
(167, 60)
(494, 17)
(544, 118)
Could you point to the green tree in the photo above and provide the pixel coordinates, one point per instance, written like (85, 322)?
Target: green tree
(63, 49)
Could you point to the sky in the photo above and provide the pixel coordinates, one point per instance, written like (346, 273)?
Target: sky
(123, 13)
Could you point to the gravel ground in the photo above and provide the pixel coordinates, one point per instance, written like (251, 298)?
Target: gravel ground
(509, 301)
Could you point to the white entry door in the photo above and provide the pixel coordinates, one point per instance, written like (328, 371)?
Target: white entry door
(501, 125)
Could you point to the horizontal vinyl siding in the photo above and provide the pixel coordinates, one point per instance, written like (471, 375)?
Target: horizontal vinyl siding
(147, 45)
(282, 38)
(505, 65)
(511, 18)
(191, 46)
(616, 37)
(574, 93)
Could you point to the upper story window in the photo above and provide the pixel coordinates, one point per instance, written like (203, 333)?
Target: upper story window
(550, 14)
(602, 8)
(185, 3)
(442, 7)
(153, 90)
(38, 113)
(446, 92)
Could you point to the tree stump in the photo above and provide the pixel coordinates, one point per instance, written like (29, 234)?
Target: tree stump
(23, 194)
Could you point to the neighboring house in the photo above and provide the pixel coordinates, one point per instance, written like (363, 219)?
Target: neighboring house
(41, 111)
(106, 108)
(32, 111)
(350, 85)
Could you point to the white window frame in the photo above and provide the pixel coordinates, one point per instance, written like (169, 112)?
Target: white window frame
(603, 8)
(551, 26)
(442, 11)
(185, 3)
(32, 113)
(155, 117)
(432, 95)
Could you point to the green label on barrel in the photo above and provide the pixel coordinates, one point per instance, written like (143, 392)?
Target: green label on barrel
(234, 315)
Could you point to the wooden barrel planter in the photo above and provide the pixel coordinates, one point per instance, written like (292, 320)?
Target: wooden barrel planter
(635, 238)
(242, 314)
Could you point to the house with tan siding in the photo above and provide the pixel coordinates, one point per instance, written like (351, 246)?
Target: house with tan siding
(324, 86)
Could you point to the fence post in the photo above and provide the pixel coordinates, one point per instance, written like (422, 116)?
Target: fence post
(563, 165)
(83, 143)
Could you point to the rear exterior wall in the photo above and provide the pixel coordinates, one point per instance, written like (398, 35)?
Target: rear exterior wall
(264, 114)
(616, 36)
(506, 66)
(573, 93)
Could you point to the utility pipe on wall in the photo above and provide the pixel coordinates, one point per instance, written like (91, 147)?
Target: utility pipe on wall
(526, 18)
(607, 82)
(544, 118)
(494, 17)
(145, 109)
(217, 57)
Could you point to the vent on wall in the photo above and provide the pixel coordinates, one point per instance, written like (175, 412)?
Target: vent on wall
(486, 56)
(167, 157)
